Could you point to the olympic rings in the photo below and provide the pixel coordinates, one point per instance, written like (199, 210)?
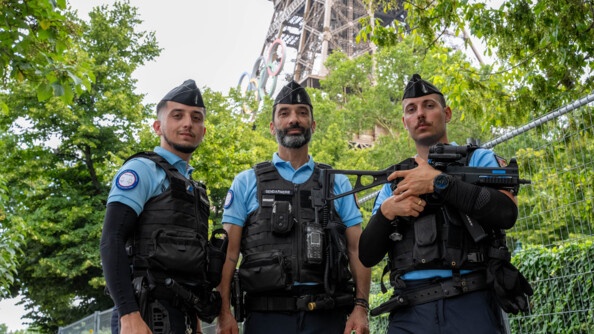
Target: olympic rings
(264, 69)
(274, 57)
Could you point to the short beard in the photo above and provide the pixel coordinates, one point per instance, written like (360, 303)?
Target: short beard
(181, 148)
(293, 141)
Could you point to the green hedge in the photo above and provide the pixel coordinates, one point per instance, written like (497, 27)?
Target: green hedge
(562, 278)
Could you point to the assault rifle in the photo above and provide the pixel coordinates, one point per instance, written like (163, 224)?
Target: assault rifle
(442, 157)
(446, 158)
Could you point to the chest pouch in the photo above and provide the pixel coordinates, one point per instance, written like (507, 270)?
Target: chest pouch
(426, 249)
(264, 271)
(178, 252)
(282, 218)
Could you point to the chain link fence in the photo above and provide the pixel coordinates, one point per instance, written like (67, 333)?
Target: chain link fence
(555, 152)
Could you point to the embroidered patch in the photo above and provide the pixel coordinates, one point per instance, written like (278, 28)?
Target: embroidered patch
(228, 199)
(127, 180)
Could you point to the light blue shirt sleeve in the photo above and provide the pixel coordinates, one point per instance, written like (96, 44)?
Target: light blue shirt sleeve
(140, 179)
(148, 183)
(241, 198)
(346, 207)
(483, 158)
(384, 193)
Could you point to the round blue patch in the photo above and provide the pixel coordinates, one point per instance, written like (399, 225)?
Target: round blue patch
(127, 180)
(229, 199)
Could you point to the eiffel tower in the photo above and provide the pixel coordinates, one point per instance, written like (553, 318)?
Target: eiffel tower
(312, 29)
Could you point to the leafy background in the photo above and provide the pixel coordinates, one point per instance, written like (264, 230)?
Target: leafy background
(70, 117)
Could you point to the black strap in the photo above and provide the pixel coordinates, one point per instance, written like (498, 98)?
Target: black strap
(447, 288)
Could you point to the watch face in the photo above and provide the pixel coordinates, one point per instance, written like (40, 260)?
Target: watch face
(441, 182)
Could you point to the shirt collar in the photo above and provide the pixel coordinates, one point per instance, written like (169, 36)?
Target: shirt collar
(179, 163)
(278, 162)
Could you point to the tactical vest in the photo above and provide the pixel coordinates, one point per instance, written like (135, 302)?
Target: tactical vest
(440, 239)
(171, 236)
(282, 243)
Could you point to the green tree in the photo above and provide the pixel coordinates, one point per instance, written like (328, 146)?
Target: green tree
(542, 49)
(58, 164)
(231, 145)
(35, 39)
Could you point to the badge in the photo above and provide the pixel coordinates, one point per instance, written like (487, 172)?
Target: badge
(228, 199)
(127, 180)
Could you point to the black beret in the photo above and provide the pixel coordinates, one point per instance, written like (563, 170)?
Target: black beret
(418, 87)
(293, 93)
(187, 93)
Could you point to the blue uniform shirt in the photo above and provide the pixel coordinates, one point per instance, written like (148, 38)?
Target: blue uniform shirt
(140, 179)
(242, 198)
(480, 158)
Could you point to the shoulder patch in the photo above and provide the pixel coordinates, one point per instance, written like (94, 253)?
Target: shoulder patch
(128, 179)
(229, 199)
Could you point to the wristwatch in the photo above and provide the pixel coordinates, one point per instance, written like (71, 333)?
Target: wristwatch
(441, 182)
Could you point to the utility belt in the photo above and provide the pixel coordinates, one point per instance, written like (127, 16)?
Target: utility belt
(432, 291)
(308, 301)
(205, 304)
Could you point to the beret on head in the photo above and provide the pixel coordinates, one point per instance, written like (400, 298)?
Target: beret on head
(418, 87)
(187, 93)
(292, 93)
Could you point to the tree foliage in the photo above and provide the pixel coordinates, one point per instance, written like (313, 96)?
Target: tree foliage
(36, 42)
(58, 165)
(542, 50)
(60, 155)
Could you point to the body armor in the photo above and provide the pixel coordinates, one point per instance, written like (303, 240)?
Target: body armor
(171, 237)
(440, 239)
(282, 241)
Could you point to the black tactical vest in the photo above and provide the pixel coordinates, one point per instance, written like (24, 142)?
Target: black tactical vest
(171, 236)
(282, 243)
(437, 239)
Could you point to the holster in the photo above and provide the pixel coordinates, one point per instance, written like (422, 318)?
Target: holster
(141, 292)
(237, 300)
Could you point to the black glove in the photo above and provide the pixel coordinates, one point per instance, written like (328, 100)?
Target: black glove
(510, 287)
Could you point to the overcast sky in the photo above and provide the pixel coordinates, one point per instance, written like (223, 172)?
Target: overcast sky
(212, 42)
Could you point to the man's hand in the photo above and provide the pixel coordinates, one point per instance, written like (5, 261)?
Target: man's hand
(226, 324)
(132, 323)
(416, 181)
(357, 321)
(396, 206)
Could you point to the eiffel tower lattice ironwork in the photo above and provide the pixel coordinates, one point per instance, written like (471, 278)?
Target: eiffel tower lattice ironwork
(312, 29)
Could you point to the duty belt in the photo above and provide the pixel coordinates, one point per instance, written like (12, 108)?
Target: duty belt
(448, 288)
(297, 303)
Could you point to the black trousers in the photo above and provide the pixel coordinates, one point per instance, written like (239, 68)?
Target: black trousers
(319, 322)
(474, 313)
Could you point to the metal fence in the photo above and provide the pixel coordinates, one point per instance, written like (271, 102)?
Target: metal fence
(556, 210)
(555, 230)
